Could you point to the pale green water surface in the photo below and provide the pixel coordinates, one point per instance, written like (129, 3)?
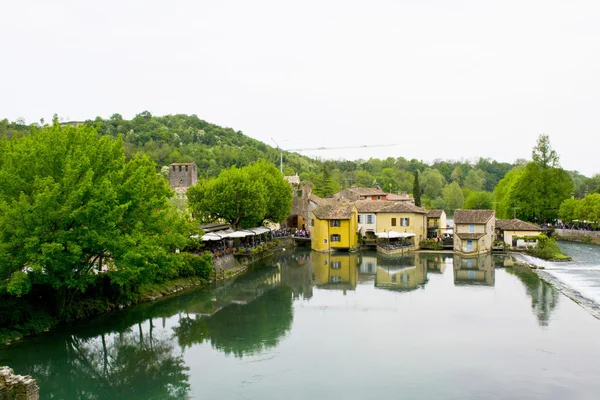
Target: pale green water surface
(312, 326)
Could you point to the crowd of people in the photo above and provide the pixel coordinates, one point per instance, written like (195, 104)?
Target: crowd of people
(578, 226)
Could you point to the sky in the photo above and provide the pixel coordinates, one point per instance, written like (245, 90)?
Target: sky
(423, 79)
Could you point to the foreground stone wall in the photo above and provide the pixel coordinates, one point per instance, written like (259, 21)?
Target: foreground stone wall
(578, 235)
(17, 387)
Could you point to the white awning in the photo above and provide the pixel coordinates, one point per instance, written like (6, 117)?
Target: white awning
(211, 236)
(238, 234)
(393, 235)
(259, 230)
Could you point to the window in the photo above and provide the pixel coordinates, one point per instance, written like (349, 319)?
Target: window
(325, 262)
(335, 223)
(378, 197)
(336, 264)
(405, 221)
(360, 219)
(471, 228)
(325, 241)
(483, 242)
(336, 238)
(369, 219)
(312, 222)
(393, 221)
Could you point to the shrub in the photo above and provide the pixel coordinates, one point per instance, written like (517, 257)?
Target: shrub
(200, 266)
(547, 248)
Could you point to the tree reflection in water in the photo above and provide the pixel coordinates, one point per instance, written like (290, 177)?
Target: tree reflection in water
(544, 298)
(242, 329)
(134, 364)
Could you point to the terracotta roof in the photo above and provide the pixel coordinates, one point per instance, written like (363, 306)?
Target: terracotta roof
(384, 206)
(333, 210)
(473, 216)
(516, 225)
(435, 213)
(316, 199)
(470, 236)
(399, 197)
(367, 191)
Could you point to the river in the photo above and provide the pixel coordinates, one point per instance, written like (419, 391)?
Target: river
(342, 326)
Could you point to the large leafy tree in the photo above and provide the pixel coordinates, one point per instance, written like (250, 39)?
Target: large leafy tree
(503, 201)
(543, 186)
(453, 196)
(233, 197)
(432, 183)
(478, 201)
(278, 192)
(70, 203)
(243, 197)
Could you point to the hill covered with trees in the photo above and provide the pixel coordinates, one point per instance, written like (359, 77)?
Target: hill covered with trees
(446, 184)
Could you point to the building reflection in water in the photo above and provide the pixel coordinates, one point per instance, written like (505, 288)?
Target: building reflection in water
(405, 272)
(296, 272)
(478, 270)
(336, 271)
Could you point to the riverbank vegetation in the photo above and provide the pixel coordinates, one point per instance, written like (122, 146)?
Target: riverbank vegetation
(546, 248)
(82, 228)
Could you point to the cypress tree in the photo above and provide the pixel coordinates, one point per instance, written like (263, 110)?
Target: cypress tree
(417, 190)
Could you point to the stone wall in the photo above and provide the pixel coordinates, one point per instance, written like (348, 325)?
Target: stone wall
(578, 235)
(17, 387)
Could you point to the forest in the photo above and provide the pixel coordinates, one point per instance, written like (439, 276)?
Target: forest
(443, 184)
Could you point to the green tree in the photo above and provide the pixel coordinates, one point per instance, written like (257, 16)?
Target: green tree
(588, 208)
(478, 201)
(325, 186)
(432, 183)
(503, 200)
(69, 204)
(453, 196)
(278, 192)
(475, 180)
(543, 154)
(233, 197)
(417, 190)
(568, 210)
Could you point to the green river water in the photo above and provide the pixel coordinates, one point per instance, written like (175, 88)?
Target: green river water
(304, 325)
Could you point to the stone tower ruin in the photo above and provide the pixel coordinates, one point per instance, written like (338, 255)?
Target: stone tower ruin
(183, 175)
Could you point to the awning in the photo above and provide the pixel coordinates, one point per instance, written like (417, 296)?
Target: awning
(238, 234)
(393, 235)
(259, 230)
(211, 236)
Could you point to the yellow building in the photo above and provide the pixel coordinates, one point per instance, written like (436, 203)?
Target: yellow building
(400, 273)
(334, 227)
(436, 223)
(335, 270)
(397, 216)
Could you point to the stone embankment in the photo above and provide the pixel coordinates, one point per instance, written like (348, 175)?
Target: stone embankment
(575, 235)
(17, 387)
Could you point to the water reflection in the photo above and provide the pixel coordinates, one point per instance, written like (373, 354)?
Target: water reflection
(133, 364)
(477, 270)
(138, 353)
(406, 272)
(337, 271)
(544, 298)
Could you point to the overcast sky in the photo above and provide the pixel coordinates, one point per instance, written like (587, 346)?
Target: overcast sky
(437, 78)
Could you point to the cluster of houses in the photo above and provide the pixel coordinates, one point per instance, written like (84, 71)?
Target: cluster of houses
(394, 223)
